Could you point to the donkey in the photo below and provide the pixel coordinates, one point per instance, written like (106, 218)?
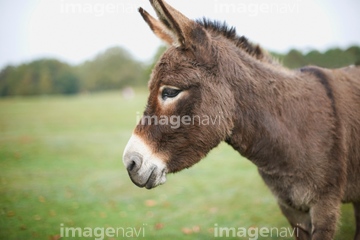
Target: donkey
(301, 128)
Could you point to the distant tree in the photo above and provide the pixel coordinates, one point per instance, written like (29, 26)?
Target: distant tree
(5, 79)
(26, 86)
(294, 59)
(354, 52)
(332, 58)
(149, 67)
(314, 57)
(45, 76)
(112, 69)
(45, 82)
(115, 68)
(67, 83)
(335, 58)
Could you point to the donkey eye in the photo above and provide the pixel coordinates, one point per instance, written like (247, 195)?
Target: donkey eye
(169, 93)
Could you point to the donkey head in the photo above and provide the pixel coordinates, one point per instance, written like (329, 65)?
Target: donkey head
(185, 86)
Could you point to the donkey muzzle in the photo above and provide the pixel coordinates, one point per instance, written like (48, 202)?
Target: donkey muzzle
(144, 168)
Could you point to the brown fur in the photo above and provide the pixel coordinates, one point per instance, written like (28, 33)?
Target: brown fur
(301, 128)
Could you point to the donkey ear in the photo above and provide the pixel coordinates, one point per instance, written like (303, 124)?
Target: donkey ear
(181, 30)
(157, 27)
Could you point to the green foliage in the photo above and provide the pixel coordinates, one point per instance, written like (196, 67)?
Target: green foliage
(294, 59)
(150, 67)
(112, 69)
(46, 76)
(332, 58)
(115, 69)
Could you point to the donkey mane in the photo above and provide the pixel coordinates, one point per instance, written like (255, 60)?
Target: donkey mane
(241, 42)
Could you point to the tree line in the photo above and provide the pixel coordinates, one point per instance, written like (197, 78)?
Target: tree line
(332, 58)
(116, 68)
(112, 69)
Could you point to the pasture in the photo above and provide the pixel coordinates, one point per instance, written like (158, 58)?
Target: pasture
(61, 166)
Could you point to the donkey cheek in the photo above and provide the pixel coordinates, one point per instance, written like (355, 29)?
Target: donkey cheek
(178, 164)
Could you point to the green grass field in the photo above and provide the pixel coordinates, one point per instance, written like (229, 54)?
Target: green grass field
(61, 166)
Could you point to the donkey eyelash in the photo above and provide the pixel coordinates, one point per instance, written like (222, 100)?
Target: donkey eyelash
(169, 93)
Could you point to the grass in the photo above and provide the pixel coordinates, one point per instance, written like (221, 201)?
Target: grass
(61, 163)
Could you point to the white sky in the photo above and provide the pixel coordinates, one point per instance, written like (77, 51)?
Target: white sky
(77, 30)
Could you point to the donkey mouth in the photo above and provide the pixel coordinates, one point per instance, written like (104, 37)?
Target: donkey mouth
(144, 168)
(146, 176)
(147, 182)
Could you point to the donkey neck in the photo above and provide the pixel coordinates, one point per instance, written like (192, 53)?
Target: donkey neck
(262, 124)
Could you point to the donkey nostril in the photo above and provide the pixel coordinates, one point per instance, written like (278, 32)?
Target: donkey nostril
(134, 163)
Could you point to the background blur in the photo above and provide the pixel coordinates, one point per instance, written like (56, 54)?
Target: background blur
(73, 78)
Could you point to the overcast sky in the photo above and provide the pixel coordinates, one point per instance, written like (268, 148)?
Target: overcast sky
(77, 30)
